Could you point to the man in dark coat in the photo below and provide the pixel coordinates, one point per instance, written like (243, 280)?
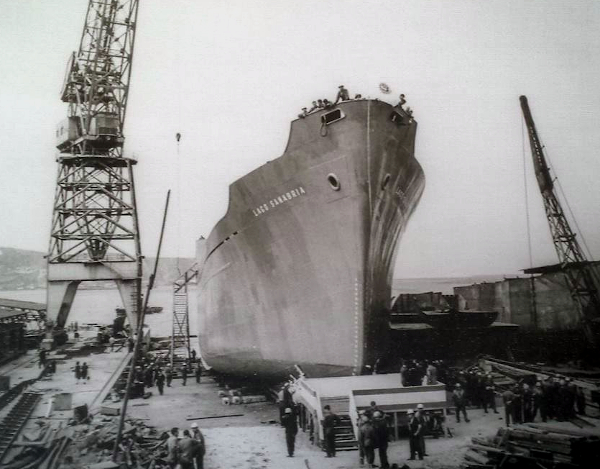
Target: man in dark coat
(188, 448)
(508, 397)
(197, 435)
(330, 421)
(415, 430)
(288, 421)
(381, 438)
(198, 372)
(169, 376)
(366, 440)
(183, 371)
(160, 382)
(460, 402)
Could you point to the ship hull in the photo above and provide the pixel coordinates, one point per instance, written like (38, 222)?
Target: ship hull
(298, 272)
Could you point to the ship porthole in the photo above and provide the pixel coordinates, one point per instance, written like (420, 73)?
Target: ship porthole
(334, 182)
(386, 179)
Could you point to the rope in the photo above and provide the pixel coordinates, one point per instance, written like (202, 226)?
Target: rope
(527, 217)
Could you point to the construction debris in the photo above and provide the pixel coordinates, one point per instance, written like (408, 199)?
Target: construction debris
(534, 445)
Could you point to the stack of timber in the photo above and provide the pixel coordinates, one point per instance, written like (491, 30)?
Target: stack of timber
(534, 445)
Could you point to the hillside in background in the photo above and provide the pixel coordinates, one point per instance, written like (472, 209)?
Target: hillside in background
(25, 270)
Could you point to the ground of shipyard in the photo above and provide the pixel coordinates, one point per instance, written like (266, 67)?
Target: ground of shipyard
(252, 440)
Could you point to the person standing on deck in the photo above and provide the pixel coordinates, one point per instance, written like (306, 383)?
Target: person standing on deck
(288, 421)
(84, 372)
(330, 421)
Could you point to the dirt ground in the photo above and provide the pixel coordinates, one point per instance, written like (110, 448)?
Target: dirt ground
(255, 440)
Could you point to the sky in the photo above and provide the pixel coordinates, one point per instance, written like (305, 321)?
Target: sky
(231, 75)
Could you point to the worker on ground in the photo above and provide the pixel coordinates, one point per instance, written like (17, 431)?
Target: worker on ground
(130, 344)
(199, 437)
(517, 404)
(42, 358)
(508, 397)
(187, 447)
(342, 95)
(160, 382)
(366, 440)
(527, 403)
(85, 372)
(288, 421)
(330, 421)
(382, 436)
(538, 400)
(420, 414)
(169, 376)
(172, 448)
(580, 401)
(490, 395)
(77, 371)
(183, 370)
(415, 429)
(460, 402)
(572, 388)
(198, 372)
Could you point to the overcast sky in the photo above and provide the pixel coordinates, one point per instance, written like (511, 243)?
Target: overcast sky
(231, 75)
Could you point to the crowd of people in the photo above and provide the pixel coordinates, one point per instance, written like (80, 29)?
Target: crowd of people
(154, 370)
(422, 372)
(553, 398)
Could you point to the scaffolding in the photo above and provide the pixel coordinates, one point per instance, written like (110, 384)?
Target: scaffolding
(180, 335)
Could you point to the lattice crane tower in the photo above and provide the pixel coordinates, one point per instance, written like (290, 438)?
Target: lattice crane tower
(95, 234)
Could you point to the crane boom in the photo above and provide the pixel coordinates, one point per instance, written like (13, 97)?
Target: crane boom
(574, 264)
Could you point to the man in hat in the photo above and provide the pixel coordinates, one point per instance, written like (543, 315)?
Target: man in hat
(288, 421)
(415, 430)
(382, 436)
(342, 95)
(460, 402)
(201, 450)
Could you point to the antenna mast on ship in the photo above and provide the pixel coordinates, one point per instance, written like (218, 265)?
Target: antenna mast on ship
(95, 232)
(578, 272)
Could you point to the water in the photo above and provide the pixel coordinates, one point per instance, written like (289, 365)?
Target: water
(98, 306)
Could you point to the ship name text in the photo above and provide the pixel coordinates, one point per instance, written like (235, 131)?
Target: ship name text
(280, 199)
